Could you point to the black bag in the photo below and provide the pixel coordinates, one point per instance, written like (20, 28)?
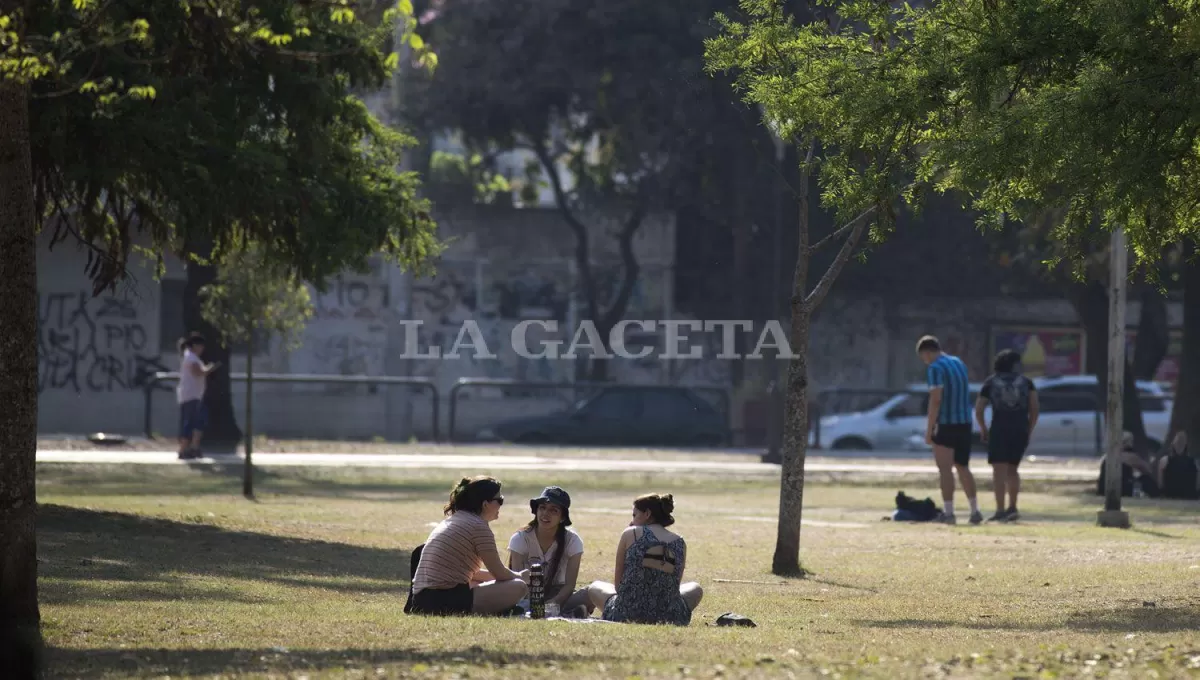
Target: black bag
(413, 561)
(920, 511)
(731, 619)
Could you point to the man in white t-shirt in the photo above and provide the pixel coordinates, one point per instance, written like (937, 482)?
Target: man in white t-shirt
(193, 378)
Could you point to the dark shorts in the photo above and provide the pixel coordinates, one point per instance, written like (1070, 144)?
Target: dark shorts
(1007, 447)
(192, 417)
(455, 601)
(957, 438)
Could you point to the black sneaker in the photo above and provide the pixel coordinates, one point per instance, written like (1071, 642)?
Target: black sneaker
(1000, 516)
(190, 454)
(1011, 515)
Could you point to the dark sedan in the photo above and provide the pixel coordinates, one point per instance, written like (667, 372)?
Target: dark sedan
(622, 416)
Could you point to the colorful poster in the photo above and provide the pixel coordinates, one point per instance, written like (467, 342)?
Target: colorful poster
(1044, 351)
(1168, 370)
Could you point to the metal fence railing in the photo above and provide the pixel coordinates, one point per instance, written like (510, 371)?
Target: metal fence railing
(722, 395)
(422, 384)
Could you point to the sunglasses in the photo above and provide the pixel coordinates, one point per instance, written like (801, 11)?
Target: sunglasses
(499, 500)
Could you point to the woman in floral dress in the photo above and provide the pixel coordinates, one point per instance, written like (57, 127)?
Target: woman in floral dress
(649, 570)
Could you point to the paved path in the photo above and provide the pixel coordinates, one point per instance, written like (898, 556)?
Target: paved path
(510, 462)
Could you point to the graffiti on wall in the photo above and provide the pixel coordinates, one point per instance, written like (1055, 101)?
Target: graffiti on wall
(353, 296)
(93, 345)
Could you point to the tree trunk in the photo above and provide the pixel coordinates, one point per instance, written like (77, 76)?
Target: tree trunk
(795, 448)
(20, 636)
(1091, 305)
(223, 433)
(248, 467)
(1152, 335)
(1185, 415)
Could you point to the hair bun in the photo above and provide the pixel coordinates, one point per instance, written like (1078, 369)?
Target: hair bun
(668, 503)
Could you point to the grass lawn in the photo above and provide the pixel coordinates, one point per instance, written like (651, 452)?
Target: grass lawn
(151, 571)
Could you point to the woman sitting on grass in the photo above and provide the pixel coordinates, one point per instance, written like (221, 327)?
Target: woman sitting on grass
(548, 539)
(649, 570)
(460, 571)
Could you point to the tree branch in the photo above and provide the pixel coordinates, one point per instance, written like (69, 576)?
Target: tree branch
(822, 288)
(629, 264)
(582, 250)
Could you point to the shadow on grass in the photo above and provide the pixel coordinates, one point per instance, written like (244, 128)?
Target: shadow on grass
(225, 478)
(88, 554)
(1124, 620)
(97, 663)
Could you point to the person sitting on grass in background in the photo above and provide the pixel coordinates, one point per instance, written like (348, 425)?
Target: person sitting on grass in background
(1134, 470)
(1177, 473)
(460, 571)
(548, 539)
(193, 380)
(649, 570)
(1014, 415)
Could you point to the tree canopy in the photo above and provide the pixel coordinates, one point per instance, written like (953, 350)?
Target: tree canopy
(1087, 109)
(202, 122)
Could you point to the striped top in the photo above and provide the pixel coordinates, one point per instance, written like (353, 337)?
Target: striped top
(454, 552)
(950, 373)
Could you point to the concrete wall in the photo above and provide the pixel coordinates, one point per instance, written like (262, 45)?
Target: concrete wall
(500, 268)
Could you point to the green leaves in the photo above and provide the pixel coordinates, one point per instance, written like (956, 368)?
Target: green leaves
(254, 294)
(1085, 110)
(224, 122)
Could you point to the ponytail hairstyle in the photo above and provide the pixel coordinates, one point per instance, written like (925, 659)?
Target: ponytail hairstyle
(471, 493)
(660, 507)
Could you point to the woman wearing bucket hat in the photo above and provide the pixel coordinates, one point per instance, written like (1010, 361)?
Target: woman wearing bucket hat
(549, 539)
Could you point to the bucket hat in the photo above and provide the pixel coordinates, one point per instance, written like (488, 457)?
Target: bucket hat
(555, 495)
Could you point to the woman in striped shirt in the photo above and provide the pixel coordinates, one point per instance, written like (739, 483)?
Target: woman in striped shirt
(460, 571)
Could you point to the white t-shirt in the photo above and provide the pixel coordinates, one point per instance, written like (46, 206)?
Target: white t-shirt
(191, 387)
(525, 542)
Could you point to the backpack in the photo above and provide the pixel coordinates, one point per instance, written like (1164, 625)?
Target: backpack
(413, 561)
(1179, 478)
(909, 509)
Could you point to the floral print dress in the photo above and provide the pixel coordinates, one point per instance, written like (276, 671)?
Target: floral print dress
(648, 595)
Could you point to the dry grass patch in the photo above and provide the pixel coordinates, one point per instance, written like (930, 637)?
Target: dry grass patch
(164, 571)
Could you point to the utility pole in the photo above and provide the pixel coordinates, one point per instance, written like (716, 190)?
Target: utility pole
(1112, 515)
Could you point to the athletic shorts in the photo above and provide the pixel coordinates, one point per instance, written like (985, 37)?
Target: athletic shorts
(956, 437)
(456, 601)
(1007, 447)
(192, 416)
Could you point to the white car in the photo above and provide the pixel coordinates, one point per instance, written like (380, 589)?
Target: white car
(1066, 424)
(883, 425)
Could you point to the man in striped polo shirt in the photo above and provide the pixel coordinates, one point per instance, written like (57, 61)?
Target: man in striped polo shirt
(948, 425)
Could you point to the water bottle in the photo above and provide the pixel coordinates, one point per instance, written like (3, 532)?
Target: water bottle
(537, 591)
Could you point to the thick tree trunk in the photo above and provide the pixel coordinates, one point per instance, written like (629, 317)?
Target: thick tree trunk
(1152, 335)
(795, 448)
(1185, 415)
(223, 433)
(20, 637)
(1091, 304)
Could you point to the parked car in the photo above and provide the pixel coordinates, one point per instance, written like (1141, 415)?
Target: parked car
(1067, 424)
(622, 416)
(886, 426)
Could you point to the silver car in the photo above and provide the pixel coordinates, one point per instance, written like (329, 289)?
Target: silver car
(1066, 425)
